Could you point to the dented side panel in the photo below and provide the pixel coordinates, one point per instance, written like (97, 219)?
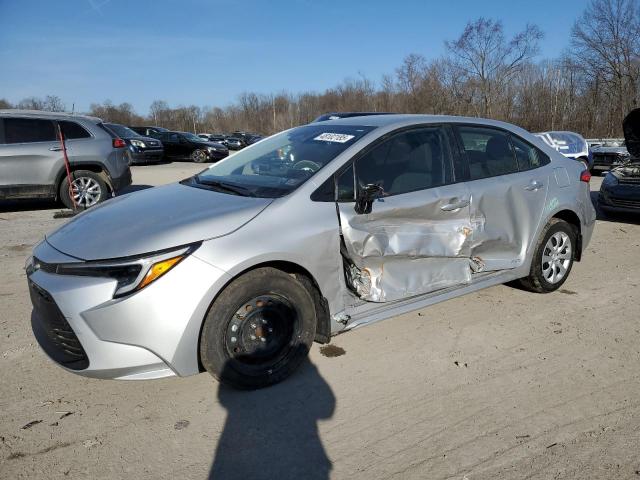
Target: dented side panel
(409, 244)
(505, 212)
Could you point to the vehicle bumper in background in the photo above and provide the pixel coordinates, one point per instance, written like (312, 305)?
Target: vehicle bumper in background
(118, 183)
(214, 156)
(146, 156)
(620, 201)
(150, 334)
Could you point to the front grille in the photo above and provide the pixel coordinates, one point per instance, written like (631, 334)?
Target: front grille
(631, 180)
(53, 332)
(624, 202)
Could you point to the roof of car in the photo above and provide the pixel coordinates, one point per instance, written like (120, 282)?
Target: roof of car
(401, 119)
(42, 113)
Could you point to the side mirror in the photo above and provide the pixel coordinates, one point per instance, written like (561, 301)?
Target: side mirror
(366, 196)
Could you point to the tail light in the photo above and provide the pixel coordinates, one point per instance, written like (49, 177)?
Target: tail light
(585, 176)
(119, 143)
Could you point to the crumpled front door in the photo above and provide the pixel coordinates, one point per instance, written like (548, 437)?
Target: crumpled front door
(409, 244)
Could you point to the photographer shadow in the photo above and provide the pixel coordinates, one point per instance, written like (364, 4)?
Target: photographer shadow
(273, 433)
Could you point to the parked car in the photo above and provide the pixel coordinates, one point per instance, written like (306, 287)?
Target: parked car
(244, 137)
(311, 232)
(141, 149)
(606, 157)
(336, 115)
(232, 143)
(255, 139)
(32, 161)
(153, 132)
(188, 146)
(620, 189)
(570, 144)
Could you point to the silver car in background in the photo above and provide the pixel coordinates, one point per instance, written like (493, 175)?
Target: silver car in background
(316, 230)
(32, 161)
(570, 144)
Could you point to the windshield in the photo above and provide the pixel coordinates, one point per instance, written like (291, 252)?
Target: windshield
(192, 137)
(281, 163)
(122, 131)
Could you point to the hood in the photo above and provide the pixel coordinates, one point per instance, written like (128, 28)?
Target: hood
(602, 149)
(217, 145)
(154, 219)
(631, 128)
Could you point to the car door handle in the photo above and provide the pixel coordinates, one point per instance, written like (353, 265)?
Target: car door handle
(534, 185)
(55, 149)
(450, 207)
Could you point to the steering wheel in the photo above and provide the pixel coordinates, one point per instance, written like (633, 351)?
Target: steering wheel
(306, 165)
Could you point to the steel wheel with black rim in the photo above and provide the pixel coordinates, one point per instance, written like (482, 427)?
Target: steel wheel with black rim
(87, 189)
(199, 156)
(258, 330)
(553, 257)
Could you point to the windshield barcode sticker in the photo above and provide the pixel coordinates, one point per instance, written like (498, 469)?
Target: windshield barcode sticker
(334, 137)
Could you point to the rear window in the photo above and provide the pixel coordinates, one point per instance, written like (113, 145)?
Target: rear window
(28, 130)
(73, 130)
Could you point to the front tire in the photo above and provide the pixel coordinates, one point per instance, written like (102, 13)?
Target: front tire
(88, 189)
(258, 330)
(199, 156)
(553, 257)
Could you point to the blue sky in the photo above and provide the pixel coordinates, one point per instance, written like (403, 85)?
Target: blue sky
(208, 52)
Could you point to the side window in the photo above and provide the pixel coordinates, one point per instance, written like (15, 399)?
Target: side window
(408, 161)
(528, 156)
(28, 130)
(73, 130)
(488, 151)
(345, 184)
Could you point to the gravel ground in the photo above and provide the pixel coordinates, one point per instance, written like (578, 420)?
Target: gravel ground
(499, 384)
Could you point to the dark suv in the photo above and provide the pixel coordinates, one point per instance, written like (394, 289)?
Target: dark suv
(32, 162)
(188, 146)
(140, 149)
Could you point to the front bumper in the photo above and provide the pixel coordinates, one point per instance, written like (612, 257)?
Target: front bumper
(146, 156)
(619, 202)
(150, 334)
(218, 155)
(118, 183)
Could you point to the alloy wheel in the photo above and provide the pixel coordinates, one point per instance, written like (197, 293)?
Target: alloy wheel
(556, 257)
(85, 191)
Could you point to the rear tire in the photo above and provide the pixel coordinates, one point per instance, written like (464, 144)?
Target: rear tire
(553, 257)
(89, 190)
(258, 330)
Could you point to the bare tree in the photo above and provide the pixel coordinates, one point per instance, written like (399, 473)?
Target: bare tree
(482, 56)
(606, 47)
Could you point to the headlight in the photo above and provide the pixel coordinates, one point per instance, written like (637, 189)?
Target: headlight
(131, 274)
(212, 149)
(138, 143)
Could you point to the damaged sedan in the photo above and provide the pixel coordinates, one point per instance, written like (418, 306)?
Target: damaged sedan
(620, 189)
(311, 232)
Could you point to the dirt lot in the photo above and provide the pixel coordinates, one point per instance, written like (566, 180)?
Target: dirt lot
(499, 384)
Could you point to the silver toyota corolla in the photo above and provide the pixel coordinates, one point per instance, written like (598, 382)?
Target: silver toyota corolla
(310, 232)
